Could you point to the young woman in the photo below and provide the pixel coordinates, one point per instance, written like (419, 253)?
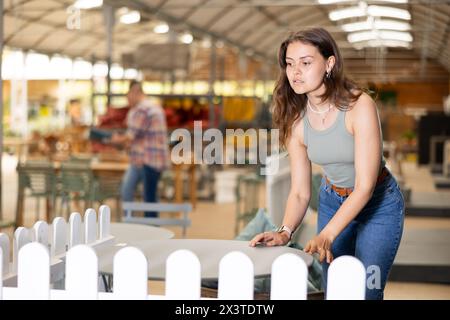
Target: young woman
(325, 118)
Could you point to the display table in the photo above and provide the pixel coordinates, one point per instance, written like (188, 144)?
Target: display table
(132, 232)
(209, 252)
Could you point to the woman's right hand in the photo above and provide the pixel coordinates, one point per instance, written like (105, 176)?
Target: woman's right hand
(270, 239)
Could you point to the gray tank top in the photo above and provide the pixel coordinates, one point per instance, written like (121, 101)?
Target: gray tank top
(334, 150)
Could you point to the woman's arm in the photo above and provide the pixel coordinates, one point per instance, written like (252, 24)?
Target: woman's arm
(367, 135)
(299, 194)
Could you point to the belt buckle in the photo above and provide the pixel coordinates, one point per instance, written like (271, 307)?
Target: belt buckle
(340, 191)
(343, 192)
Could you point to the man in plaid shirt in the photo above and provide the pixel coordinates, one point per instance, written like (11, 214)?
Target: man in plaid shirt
(147, 139)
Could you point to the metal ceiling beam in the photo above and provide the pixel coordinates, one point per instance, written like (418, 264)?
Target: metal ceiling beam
(303, 3)
(16, 5)
(92, 49)
(96, 37)
(294, 3)
(246, 35)
(238, 24)
(424, 9)
(56, 28)
(194, 9)
(217, 17)
(251, 29)
(444, 41)
(264, 38)
(197, 31)
(160, 5)
(29, 21)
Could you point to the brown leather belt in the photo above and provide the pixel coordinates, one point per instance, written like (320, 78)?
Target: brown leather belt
(344, 192)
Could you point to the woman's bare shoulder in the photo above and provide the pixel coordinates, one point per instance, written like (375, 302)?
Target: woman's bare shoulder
(362, 105)
(363, 100)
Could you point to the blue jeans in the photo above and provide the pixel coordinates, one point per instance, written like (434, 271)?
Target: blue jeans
(133, 176)
(373, 236)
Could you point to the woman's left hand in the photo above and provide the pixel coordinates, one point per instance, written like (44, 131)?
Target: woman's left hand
(322, 245)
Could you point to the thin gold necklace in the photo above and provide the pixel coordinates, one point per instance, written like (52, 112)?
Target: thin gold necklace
(322, 113)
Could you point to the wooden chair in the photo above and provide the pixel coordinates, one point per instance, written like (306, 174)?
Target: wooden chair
(36, 179)
(76, 183)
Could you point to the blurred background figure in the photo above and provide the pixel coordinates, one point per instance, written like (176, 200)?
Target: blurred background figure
(146, 138)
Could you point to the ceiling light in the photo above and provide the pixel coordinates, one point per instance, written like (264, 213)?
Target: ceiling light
(396, 35)
(379, 24)
(161, 28)
(375, 11)
(392, 25)
(249, 52)
(129, 16)
(187, 38)
(116, 72)
(220, 44)
(382, 43)
(379, 35)
(81, 69)
(87, 4)
(378, 11)
(331, 1)
(396, 1)
(131, 73)
(352, 12)
(100, 69)
(356, 26)
(361, 36)
(341, 1)
(206, 42)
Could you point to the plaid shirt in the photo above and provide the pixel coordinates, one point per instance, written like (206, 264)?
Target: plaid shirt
(148, 132)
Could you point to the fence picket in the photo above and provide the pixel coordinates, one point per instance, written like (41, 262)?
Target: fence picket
(21, 238)
(33, 276)
(235, 277)
(130, 274)
(32, 270)
(289, 278)
(59, 236)
(40, 229)
(183, 277)
(1, 273)
(4, 246)
(104, 221)
(90, 226)
(346, 279)
(75, 236)
(81, 273)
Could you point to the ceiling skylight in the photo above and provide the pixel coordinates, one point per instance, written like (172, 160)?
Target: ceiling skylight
(379, 24)
(88, 4)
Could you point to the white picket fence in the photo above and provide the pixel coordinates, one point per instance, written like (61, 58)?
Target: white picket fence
(37, 264)
(61, 237)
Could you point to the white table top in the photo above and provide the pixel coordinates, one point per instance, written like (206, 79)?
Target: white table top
(132, 232)
(424, 247)
(436, 199)
(208, 251)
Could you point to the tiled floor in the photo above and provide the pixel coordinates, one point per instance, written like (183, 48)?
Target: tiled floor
(213, 221)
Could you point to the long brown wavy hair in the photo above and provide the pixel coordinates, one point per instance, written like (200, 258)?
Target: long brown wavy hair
(289, 106)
